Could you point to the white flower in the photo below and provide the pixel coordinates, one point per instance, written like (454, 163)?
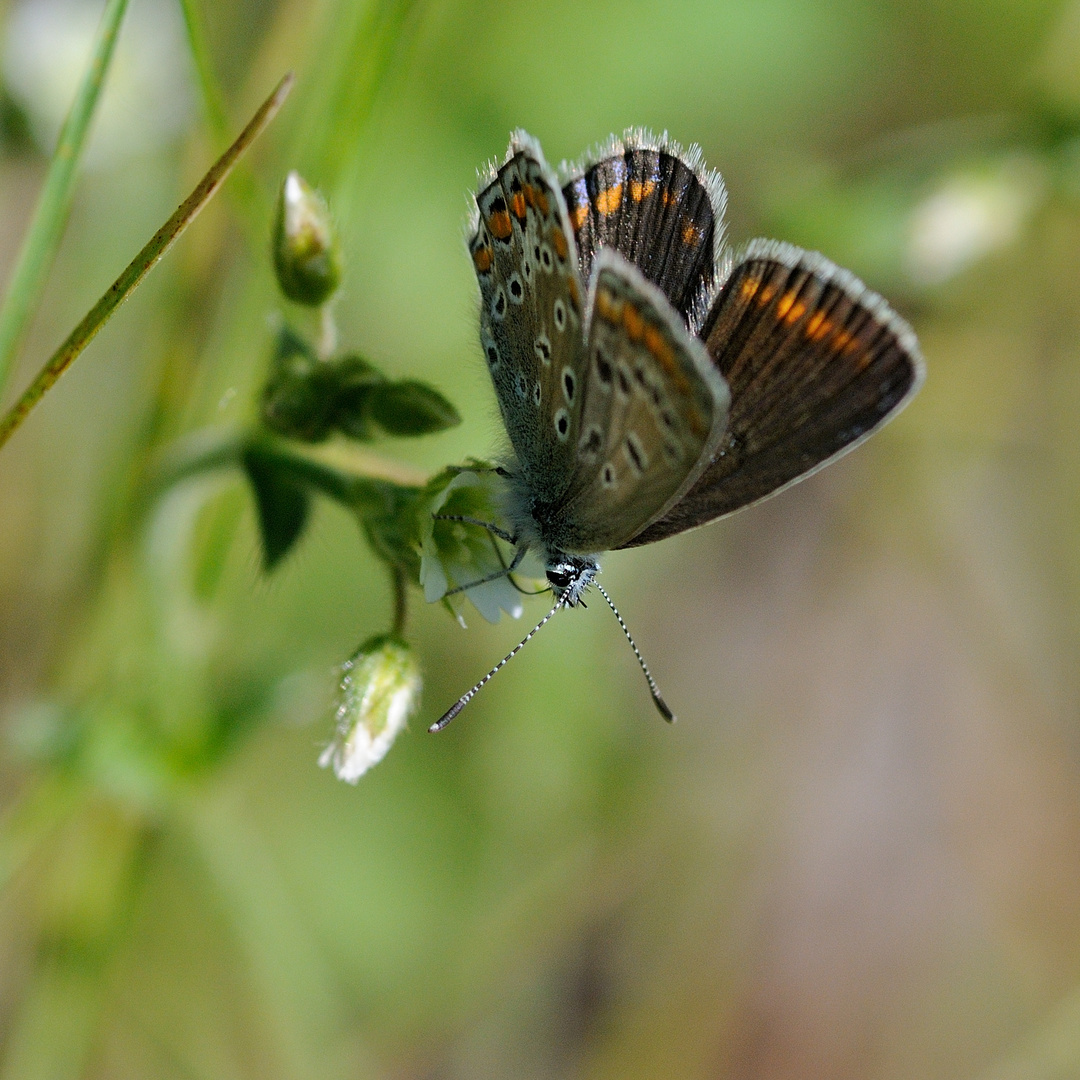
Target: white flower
(379, 691)
(455, 553)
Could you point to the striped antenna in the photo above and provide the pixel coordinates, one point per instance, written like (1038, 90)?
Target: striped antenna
(467, 697)
(658, 701)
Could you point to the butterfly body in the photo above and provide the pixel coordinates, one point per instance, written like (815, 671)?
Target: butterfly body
(648, 382)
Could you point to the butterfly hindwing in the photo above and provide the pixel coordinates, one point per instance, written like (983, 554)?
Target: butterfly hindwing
(531, 312)
(653, 408)
(664, 214)
(815, 362)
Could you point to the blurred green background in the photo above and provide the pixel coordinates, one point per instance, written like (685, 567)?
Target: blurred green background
(856, 855)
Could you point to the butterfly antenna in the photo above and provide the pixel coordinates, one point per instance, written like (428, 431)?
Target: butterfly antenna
(658, 701)
(468, 696)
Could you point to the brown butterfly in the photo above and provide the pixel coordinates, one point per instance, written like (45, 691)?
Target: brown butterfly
(648, 381)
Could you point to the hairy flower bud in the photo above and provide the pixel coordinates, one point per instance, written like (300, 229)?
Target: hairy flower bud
(379, 691)
(306, 253)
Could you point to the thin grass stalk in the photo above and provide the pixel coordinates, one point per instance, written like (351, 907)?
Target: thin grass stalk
(46, 229)
(141, 265)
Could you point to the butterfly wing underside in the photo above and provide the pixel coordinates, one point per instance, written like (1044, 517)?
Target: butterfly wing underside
(653, 408)
(664, 214)
(815, 362)
(531, 313)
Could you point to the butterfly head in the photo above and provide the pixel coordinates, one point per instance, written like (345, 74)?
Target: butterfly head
(570, 575)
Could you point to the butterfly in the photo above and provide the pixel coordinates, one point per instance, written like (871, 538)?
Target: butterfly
(649, 380)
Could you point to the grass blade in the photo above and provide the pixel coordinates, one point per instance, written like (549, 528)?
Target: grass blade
(51, 213)
(141, 265)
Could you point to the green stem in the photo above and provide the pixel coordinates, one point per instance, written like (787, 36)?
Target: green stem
(337, 468)
(141, 265)
(51, 213)
(401, 601)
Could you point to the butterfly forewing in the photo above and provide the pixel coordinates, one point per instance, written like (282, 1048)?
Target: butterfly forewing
(815, 362)
(531, 313)
(654, 407)
(656, 211)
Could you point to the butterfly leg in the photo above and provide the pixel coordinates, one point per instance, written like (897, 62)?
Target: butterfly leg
(502, 534)
(518, 556)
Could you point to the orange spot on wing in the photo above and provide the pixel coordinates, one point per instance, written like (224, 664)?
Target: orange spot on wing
(609, 201)
(632, 320)
(536, 198)
(664, 355)
(691, 234)
(790, 308)
(766, 294)
(578, 216)
(482, 260)
(606, 306)
(517, 205)
(558, 242)
(641, 189)
(575, 296)
(842, 340)
(818, 326)
(697, 423)
(749, 287)
(660, 349)
(500, 225)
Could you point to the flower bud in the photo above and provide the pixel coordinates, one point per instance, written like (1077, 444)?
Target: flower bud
(378, 692)
(306, 253)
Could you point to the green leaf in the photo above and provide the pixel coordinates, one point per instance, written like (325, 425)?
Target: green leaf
(300, 395)
(410, 407)
(356, 378)
(283, 506)
(390, 515)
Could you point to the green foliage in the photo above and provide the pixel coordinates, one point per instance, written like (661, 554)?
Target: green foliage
(283, 506)
(408, 407)
(872, 788)
(308, 398)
